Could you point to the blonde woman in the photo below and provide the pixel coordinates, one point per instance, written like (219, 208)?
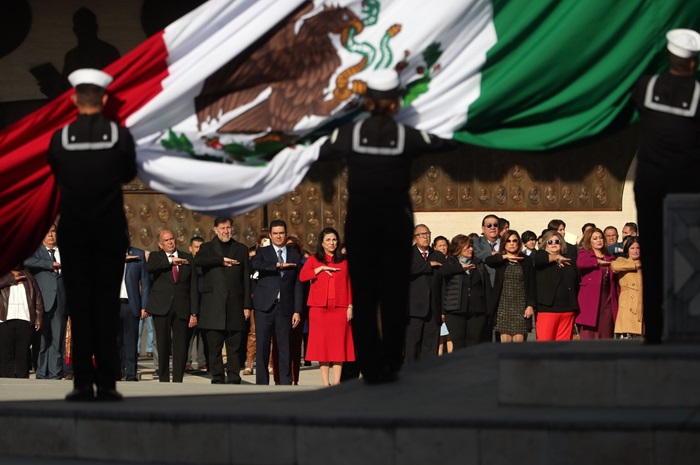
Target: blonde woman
(556, 280)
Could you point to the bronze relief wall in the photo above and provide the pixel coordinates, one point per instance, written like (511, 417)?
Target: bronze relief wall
(589, 177)
(149, 212)
(319, 202)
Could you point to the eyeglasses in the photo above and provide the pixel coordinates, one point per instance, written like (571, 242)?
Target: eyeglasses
(553, 241)
(491, 225)
(423, 234)
(509, 241)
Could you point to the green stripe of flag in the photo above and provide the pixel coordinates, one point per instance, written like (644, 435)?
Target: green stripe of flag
(562, 70)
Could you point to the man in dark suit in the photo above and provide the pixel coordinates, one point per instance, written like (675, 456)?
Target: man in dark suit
(91, 158)
(225, 301)
(486, 245)
(198, 344)
(425, 317)
(45, 265)
(136, 286)
(173, 303)
(277, 302)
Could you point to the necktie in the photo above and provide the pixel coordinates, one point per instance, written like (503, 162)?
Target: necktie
(52, 252)
(176, 272)
(425, 255)
(281, 260)
(493, 246)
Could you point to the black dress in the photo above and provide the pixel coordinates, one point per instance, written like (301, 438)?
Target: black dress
(511, 305)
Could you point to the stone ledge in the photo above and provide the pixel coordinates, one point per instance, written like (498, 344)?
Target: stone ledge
(445, 410)
(308, 445)
(593, 374)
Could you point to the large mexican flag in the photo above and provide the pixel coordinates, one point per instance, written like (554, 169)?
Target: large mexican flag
(229, 104)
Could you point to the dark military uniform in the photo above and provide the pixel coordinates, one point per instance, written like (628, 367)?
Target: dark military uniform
(668, 162)
(91, 158)
(379, 231)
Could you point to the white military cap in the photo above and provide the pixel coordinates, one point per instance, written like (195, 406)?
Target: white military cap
(383, 80)
(90, 76)
(384, 84)
(683, 43)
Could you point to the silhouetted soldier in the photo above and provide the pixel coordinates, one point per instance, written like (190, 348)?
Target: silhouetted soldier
(668, 158)
(378, 152)
(91, 158)
(91, 52)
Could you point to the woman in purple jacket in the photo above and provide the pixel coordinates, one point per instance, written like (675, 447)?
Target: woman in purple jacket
(598, 292)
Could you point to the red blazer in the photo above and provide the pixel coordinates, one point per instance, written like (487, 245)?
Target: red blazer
(591, 283)
(318, 292)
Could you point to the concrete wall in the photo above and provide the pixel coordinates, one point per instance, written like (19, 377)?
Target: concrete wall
(51, 36)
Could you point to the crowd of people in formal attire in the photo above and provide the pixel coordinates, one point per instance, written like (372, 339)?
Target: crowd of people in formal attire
(273, 307)
(473, 288)
(500, 285)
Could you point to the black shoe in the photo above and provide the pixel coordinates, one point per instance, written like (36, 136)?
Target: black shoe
(380, 375)
(218, 381)
(307, 363)
(233, 381)
(131, 378)
(81, 394)
(108, 394)
(382, 378)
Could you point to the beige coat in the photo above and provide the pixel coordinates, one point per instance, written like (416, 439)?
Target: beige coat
(629, 312)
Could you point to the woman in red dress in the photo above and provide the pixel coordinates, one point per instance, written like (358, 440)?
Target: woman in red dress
(330, 302)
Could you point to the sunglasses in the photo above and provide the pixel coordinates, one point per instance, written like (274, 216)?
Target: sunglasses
(553, 241)
(512, 241)
(491, 225)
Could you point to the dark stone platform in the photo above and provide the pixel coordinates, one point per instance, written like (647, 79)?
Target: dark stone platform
(610, 402)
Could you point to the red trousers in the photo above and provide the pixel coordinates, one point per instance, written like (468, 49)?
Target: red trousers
(554, 326)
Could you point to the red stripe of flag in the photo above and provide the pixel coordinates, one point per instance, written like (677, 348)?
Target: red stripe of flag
(28, 201)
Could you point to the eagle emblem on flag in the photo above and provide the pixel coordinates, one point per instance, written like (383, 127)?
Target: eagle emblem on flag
(272, 94)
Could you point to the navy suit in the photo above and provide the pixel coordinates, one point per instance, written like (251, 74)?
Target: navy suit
(138, 287)
(53, 328)
(278, 295)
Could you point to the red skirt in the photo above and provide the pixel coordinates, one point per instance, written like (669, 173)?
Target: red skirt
(330, 335)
